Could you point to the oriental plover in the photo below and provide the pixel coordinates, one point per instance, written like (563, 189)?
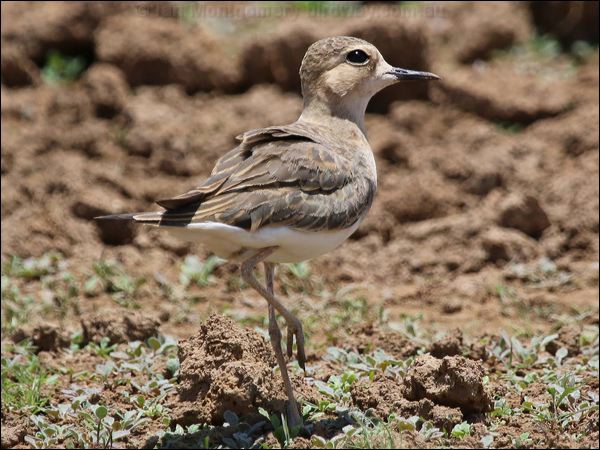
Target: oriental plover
(289, 193)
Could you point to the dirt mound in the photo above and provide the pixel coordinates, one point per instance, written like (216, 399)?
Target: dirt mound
(63, 26)
(13, 430)
(500, 94)
(503, 245)
(453, 381)
(16, 69)
(107, 89)
(569, 21)
(449, 345)
(366, 338)
(160, 51)
(43, 337)
(119, 328)
(524, 213)
(225, 367)
(384, 396)
(484, 28)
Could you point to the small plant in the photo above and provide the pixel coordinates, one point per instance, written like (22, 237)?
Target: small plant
(32, 268)
(109, 276)
(196, 272)
(61, 68)
(23, 380)
(281, 430)
(461, 430)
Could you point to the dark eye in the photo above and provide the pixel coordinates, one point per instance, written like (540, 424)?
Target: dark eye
(357, 57)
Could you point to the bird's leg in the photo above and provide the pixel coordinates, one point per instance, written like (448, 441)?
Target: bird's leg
(275, 335)
(270, 275)
(247, 266)
(294, 325)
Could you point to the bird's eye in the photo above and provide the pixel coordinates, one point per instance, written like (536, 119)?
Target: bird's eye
(357, 57)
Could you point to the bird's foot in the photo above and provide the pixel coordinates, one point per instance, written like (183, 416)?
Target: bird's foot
(293, 416)
(294, 329)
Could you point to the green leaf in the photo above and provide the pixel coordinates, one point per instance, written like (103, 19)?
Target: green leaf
(101, 412)
(154, 343)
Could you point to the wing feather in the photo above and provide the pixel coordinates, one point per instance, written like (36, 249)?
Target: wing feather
(277, 175)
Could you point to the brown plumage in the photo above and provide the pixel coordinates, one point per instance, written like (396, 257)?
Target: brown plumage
(293, 175)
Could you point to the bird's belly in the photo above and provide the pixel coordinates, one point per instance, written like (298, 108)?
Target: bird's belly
(293, 245)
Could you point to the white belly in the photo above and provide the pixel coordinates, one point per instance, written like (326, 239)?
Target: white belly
(293, 245)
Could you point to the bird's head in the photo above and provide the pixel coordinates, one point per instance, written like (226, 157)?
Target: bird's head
(346, 72)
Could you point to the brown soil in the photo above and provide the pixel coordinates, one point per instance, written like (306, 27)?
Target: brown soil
(225, 367)
(118, 328)
(453, 381)
(482, 177)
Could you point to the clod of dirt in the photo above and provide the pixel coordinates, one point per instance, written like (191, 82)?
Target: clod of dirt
(568, 337)
(500, 94)
(115, 232)
(502, 245)
(119, 328)
(569, 21)
(14, 431)
(97, 202)
(107, 88)
(366, 338)
(418, 197)
(384, 396)
(225, 367)
(43, 337)
(16, 69)
(159, 51)
(64, 26)
(485, 28)
(449, 345)
(453, 381)
(574, 133)
(524, 213)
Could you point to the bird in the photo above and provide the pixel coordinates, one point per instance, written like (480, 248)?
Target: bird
(290, 193)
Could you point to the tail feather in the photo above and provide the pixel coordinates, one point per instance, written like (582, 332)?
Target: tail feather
(148, 217)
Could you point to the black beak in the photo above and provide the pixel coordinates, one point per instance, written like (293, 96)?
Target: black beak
(404, 74)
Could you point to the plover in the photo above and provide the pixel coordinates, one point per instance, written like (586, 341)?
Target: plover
(289, 193)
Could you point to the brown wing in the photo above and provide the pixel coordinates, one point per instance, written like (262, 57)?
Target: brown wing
(274, 177)
(230, 162)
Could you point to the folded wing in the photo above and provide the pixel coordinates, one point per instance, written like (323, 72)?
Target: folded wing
(278, 175)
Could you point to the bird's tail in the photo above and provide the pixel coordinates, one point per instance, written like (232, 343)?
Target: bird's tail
(152, 218)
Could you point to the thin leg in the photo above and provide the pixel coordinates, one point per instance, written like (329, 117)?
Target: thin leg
(275, 335)
(270, 276)
(293, 324)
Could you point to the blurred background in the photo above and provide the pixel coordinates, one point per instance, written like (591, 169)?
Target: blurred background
(485, 224)
(487, 210)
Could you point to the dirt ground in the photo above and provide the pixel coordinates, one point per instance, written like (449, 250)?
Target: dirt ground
(482, 240)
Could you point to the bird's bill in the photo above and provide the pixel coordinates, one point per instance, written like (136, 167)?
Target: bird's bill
(406, 75)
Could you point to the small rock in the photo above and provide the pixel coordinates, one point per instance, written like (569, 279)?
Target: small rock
(16, 69)
(502, 245)
(524, 213)
(119, 328)
(452, 306)
(449, 345)
(44, 337)
(107, 89)
(453, 381)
